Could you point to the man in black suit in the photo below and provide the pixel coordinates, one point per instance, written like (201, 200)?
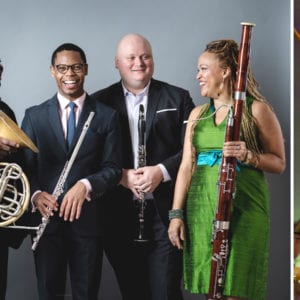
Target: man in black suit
(8, 237)
(155, 265)
(73, 236)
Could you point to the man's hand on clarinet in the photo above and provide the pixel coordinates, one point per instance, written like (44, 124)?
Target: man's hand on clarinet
(148, 179)
(129, 177)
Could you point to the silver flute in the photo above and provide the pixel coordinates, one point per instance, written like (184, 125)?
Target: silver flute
(59, 188)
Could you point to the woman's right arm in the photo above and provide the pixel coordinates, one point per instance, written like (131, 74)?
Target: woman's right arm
(176, 227)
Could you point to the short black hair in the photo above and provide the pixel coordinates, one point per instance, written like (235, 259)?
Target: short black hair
(68, 47)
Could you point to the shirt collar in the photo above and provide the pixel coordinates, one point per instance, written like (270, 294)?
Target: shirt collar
(63, 101)
(142, 93)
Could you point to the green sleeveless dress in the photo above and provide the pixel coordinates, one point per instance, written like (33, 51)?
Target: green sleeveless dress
(249, 225)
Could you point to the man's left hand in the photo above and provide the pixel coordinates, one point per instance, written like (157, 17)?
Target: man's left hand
(149, 178)
(71, 205)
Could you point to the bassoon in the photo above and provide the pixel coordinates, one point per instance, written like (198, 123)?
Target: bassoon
(227, 172)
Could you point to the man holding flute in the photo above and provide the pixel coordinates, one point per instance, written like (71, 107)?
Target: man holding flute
(73, 237)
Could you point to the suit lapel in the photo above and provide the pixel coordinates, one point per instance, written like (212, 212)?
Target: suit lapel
(88, 106)
(55, 123)
(153, 100)
(119, 104)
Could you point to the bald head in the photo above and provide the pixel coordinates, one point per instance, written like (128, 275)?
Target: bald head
(134, 61)
(133, 39)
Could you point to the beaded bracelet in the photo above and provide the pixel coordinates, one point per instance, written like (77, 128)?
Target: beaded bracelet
(175, 214)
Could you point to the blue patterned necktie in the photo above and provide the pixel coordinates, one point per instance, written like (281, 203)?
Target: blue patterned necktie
(71, 123)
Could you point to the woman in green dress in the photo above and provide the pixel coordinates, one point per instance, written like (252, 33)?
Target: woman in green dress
(260, 149)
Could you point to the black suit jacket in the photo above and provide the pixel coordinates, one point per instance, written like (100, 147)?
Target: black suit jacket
(168, 106)
(12, 237)
(98, 158)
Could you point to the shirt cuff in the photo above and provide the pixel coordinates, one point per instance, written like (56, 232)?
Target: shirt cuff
(33, 209)
(84, 181)
(166, 174)
(88, 187)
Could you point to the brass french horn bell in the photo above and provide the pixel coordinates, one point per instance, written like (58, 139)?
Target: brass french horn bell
(14, 185)
(10, 130)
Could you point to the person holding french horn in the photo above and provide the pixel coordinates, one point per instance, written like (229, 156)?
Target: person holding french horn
(8, 237)
(260, 149)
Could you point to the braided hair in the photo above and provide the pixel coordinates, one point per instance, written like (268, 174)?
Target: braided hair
(227, 52)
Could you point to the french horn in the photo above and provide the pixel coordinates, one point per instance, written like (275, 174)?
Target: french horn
(14, 185)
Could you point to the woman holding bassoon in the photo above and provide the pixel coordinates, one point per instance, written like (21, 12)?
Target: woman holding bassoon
(260, 149)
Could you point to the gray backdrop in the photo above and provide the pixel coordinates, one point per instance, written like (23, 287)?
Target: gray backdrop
(296, 111)
(178, 30)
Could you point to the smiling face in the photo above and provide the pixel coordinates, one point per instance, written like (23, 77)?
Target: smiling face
(135, 62)
(70, 84)
(210, 75)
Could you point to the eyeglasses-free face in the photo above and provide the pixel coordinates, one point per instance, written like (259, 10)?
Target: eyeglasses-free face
(76, 68)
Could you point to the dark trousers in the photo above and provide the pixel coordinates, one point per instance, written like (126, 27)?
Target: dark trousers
(83, 256)
(119, 248)
(151, 270)
(3, 270)
(8, 238)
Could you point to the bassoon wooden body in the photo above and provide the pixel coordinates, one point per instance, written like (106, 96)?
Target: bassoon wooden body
(227, 172)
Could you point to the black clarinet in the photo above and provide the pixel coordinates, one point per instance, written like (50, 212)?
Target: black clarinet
(141, 163)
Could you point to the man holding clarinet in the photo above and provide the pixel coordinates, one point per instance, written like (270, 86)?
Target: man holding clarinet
(155, 266)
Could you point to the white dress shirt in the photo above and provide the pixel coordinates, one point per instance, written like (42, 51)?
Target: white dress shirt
(64, 111)
(132, 104)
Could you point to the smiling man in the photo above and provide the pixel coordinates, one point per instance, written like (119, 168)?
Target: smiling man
(73, 236)
(150, 270)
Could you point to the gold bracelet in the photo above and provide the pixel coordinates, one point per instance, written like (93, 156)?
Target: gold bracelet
(252, 158)
(249, 157)
(256, 156)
